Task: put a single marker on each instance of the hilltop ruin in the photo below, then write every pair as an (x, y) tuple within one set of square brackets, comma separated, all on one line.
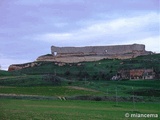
[(64, 55), (93, 53)]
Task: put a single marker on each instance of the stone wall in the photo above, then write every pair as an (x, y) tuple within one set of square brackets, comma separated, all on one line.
[(97, 50), (89, 53), (93, 53)]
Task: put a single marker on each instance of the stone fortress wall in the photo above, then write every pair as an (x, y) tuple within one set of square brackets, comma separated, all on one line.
[(97, 50), (63, 55), (93, 53)]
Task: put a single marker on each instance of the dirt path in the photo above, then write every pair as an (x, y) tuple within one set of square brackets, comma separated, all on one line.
[(81, 88)]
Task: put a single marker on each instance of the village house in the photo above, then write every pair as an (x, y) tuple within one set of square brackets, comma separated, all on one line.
[(142, 74), (136, 74)]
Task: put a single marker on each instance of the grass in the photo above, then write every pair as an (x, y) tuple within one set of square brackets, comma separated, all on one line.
[(143, 90), (148, 90), (48, 91), (30, 81), (124, 88), (108, 66), (72, 110), (4, 73)]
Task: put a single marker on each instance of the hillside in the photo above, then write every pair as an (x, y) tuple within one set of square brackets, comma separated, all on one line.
[(102, 69), (82, 81), (5, 73)]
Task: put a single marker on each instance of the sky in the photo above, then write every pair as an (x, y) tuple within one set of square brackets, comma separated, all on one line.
[(28, 28)]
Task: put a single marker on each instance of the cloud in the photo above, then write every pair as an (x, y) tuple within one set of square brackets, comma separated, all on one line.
[(30, 27), (152, 43), (115, 31)]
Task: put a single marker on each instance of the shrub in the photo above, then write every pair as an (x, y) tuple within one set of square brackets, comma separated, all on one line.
[(67, 73), (52, 78), (83, 74)]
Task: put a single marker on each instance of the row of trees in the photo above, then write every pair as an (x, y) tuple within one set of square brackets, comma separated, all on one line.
[(84, 75)]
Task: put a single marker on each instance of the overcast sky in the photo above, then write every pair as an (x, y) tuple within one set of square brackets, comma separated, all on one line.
[(28, 28)]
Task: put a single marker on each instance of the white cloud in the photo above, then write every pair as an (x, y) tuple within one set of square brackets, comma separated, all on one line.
[(122, 30), (152, 43)]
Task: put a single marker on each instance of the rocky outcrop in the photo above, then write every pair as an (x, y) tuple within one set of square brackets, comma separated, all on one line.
[(14, 67), (47, 57), (82, 58), (21, 66)]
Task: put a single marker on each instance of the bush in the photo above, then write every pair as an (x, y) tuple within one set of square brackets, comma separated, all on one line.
[(97, 98), (69, 83), (67, 73), (83, 74), (52, 78)]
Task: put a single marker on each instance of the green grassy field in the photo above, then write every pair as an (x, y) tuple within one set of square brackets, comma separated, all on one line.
[(49, 91), (50, 107), (73, 110), (103, 87), (146, 90), (37, 92)]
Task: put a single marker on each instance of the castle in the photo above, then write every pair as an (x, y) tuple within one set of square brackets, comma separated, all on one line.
[(94, 53), (97, 50), (64, 55)]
